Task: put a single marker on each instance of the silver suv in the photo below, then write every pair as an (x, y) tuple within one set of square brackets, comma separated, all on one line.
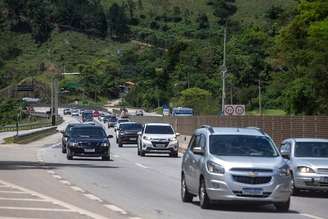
[(234, 164), (308, 161), (158, 138)]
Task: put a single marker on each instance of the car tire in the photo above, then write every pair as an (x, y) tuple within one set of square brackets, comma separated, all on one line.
[(142, 153), (138, 151), (294, 190), (185, 195), (69, 156), (204, 200), (174, 154), (282, 206), (105, 158), (64, 149), (120, 145)]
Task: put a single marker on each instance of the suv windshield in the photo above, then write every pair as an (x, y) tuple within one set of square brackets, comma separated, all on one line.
[(242, 145), (159, 129), (87, 132), (311, 149), (131, 126)]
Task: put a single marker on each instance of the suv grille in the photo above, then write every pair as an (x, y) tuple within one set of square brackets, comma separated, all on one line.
[(252, 180), (323, 170), (251, 170)]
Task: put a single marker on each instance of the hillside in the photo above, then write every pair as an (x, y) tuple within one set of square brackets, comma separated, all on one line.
[(165, 45)]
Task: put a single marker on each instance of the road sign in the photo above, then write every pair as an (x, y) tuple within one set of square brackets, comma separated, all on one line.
[(234, 110)]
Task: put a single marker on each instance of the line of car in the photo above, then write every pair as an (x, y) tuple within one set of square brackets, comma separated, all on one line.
[(219, 164)]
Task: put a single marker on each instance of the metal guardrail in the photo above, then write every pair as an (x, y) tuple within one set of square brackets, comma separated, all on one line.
[(29, 126), (35, 135), (40, 114)]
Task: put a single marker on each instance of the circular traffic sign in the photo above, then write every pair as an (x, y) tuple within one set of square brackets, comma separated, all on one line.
[(229, 110), (240, 110)]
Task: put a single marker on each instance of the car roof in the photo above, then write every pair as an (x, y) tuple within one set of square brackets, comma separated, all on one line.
[(128, 123), (308, 139), (233, 131), (87, 126), (158, 124)]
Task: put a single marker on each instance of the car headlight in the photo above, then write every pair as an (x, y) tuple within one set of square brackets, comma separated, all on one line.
[(303, 169), (284, 171), (104, 144), (146, 138), (73, 144), (173, 139), (215, 168)]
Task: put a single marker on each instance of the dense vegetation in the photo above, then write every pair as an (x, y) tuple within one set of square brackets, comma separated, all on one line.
[(173, 50)]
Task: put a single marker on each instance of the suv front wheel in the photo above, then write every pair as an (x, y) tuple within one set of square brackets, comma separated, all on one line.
[(185, 195), (204, 200), (282, 206)]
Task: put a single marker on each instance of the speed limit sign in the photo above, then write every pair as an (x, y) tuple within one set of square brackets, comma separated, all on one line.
[(234, 110)]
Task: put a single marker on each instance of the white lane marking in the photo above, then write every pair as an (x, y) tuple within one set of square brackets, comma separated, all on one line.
[(78, 189), (142, 166), (35, 209), (4, 186), (93, 197), (310, 216), (13, 192), (51, 172), (17, 218), (115, 208), (57, 202), (57, 176), (135, 218), (23, 199), (65, 182)]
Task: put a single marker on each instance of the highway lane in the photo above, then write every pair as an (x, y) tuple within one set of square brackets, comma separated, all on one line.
[(149, 187)]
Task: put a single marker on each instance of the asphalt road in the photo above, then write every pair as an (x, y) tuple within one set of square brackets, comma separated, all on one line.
[(149, 187)]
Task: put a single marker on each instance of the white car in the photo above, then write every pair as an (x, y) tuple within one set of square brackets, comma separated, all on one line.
[(75, 112), (158, 138)]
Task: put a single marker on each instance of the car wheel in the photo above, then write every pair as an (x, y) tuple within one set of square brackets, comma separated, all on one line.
[(282, 206), (185, 195), (120, 145), (63, 149), (204, 200), (174, 154), (142, 153), (107, 157), (69, 156)]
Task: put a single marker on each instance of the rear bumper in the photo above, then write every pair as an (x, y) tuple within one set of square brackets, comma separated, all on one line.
[(128, 139)]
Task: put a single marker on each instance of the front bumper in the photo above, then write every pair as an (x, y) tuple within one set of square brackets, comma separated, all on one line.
[(311, 181), (224, 188), (166, 147), (89, 152)]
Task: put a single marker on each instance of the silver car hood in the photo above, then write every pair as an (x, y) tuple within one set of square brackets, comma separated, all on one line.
[(311, 162), (250, 162)]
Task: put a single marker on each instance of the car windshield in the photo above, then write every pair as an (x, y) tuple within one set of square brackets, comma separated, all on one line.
[(123, 120), (159, 129), (88, 132), (311, 149), (131, 126), (242, 145)]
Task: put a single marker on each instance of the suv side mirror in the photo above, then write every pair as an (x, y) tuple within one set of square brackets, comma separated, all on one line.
[(62, 132), (139, 133), (198, 151), (285, 154), (177, 134)]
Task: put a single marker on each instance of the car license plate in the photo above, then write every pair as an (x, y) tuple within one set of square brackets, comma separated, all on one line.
[(133, 139), (89, 150), (160, 145), (323, 180), (252, 191)]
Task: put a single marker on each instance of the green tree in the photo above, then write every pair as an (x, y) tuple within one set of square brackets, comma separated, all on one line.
[(118, 22)]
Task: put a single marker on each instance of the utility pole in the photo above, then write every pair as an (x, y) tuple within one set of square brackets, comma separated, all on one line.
[(260, 100), (224, 68)]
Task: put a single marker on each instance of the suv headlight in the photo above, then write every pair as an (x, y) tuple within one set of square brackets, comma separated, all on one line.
[(303, 169), (284, 171), (215, 168), (104, 144), (173, 139), (146, 138), (73, 144)]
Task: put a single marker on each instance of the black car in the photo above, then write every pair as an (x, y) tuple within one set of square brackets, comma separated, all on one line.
[(128, 133), (88, 141), (66, 133)]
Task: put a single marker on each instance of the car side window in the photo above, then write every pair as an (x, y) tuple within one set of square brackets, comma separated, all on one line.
[(195, 142), (191, 142)]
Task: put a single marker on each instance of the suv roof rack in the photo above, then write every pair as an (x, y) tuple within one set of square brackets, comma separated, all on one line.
[(208, 127), (257, 128)]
